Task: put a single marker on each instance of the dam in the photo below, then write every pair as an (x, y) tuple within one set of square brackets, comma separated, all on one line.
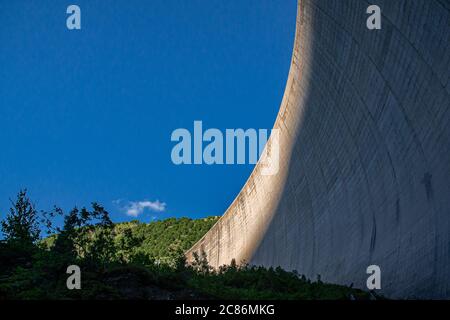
[(364, 154)]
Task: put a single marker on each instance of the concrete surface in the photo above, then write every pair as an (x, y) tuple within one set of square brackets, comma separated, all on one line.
[(365, 154)]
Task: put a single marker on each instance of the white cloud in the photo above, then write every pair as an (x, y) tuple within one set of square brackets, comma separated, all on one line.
[(135, 208)]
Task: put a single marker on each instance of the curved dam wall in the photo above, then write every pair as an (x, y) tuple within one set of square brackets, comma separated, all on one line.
[(364, 147)]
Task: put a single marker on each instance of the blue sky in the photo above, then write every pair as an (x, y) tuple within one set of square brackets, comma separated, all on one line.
[(87, 115)]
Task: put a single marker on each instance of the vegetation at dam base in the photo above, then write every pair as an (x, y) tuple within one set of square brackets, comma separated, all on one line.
[(132, 261)]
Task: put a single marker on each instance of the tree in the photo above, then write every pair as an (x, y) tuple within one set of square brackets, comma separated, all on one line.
[(81, 237), (200, 263), (21, 225), (126, 244), (65, 244)]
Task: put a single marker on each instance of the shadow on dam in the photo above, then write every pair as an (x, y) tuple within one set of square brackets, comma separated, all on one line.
[(368, 180)]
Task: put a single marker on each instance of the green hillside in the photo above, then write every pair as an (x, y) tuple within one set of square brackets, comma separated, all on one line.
[(132, 260), (158, 241)]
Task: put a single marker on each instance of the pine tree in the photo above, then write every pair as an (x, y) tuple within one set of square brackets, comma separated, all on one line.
[(21, 225)]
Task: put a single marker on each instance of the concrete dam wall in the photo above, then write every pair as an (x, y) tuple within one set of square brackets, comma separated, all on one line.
[(364, 149)]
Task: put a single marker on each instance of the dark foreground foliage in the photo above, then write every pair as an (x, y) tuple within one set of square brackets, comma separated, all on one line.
[(132, 261)]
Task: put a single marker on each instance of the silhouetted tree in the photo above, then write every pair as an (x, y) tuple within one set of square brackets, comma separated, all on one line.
[(66, 241), (101, 247), (85, 234), (21, 225)]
